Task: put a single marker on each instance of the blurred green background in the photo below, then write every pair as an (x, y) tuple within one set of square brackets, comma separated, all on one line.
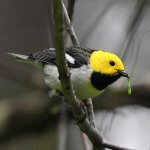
[(29, 120)]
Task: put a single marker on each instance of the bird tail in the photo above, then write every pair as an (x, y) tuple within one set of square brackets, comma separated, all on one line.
[(25, 59), (19, 56)]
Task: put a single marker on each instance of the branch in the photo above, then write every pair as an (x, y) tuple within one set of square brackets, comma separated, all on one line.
[(70, 8), (69, 27), (72, 102), (90, 111), (114, 147)]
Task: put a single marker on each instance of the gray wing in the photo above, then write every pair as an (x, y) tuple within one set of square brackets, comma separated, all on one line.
[(75, 56), (47, 56)]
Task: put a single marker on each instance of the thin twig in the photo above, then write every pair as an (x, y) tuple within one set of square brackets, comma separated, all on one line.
[(72, 102), (70, 9), (69, 26), (114, 147)]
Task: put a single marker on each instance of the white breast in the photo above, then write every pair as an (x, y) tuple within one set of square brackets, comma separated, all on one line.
[(80, 78)]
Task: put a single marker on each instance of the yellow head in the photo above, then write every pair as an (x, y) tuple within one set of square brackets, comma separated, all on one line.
[(106, 63)]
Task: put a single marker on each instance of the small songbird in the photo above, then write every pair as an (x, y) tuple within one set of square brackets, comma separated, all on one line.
[(91, 70)]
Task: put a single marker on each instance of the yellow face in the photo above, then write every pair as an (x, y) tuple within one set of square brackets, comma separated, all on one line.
[(106, 62)]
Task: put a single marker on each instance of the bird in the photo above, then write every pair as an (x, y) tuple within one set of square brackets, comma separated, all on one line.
[(92, 70)]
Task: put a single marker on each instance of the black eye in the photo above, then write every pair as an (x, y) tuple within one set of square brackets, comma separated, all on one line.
[(112, 63)]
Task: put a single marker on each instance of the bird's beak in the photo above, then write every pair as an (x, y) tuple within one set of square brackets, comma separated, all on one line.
[(123, 73)]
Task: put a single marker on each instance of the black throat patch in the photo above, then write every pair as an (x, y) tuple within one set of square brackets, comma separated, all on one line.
[(101, 81)]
